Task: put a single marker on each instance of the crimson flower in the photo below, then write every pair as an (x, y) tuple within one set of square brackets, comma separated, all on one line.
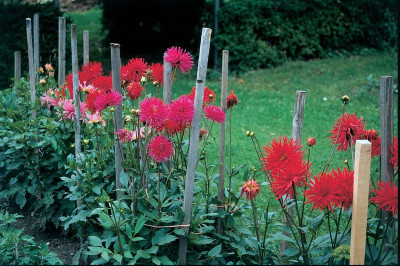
[(153, 112), (346, 180), (209, 95), (251, 188), (394, 149), (103, 83), (293, 174), (387, 197), (214, 113), (68, 85), (174, 128), (179, 58), (160, 148), (232, 100), (91, 98), (372, 136), (90, 71), (282, 152), (134, 90), (157, 73), (111, 98), (181, 110), (351, 130), (134, 70), (324, 191)]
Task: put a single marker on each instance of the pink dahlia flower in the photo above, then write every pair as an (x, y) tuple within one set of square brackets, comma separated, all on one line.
[(160, 149), (179, 58), (214, 113), (153, 112)]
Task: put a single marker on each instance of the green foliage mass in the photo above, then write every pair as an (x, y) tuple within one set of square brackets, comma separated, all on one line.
[(261, 33)]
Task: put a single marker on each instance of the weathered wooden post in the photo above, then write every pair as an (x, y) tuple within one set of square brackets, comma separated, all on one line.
[(61, 50), (360, 202), (36, 41), (386, 106), (75, 86), (85, 47), (17, 65), (167, 80), (194, 139), (297, 128), (32, 75), (116, 80), (221, 179)]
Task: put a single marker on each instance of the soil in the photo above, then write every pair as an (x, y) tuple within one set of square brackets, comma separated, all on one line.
[(63, 245)]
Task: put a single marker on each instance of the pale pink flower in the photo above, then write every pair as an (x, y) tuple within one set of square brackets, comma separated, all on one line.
[(47, 100)]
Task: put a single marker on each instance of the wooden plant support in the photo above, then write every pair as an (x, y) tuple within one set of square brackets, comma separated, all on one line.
[(85, 47), (36, 41), (194, 139), (32, 76), (17, 65), (75, 86), (360, 202), (386, 106), (116, 80), (297, 128), (61, 50), (221, 179), (167, 80)]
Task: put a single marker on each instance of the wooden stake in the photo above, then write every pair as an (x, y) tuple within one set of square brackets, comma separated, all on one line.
[(61, 51), (167, 88), (32, 77), (221, 179), (17, 65), (85, 47), (36, 41), (386, 95), (360, 202), (297, 128), (116, 79), (194, 139), (75, 82)]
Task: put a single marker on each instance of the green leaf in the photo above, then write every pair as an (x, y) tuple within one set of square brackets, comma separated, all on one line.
[(290, 252), (156, 260), (124, 179), (144, 254), (152, 250), (95, 241), (20, 199), (215, 251), (128, 254), (105, 220), (118, 257), (140, 224), (161, 239), (105, 256), (166, 261)]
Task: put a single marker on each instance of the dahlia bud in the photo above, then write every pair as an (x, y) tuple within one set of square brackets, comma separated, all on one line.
[(346, 161), (143, 80), (112, 109), (128, 118), (155, 83), (72, 145), (211, 96), (247, 133), (86, 141), (42, 81), (311, 141), (251, 133), (40, 70), (345, 99)]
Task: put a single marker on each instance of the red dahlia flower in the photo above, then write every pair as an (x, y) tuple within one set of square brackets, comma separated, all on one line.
[(346, 180), (280, 154), (291, 175), (372, 136), (324, 191), (209, 95), (232, 100), (134, 90), (111, 98), (214, 113), (157, 73), (153, 112), (181, 110), (387, 197), (351, 130), (134, 70), (160, 149), (251, 188), (394, 149), (103, 83), (90, 71), (179, 58)]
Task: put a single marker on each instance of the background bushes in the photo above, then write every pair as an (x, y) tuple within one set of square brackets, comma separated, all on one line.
[(13, 36), (260, 33)]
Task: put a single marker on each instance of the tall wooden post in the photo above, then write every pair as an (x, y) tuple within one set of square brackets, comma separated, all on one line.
[(167, 80), (85, 47), (36, 40), (386, 106), (116, 80), (297, 128), (360, 202), (194, 139), (61, 50), (32, 75), (224, 92), (17, 65), (75, 82)]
